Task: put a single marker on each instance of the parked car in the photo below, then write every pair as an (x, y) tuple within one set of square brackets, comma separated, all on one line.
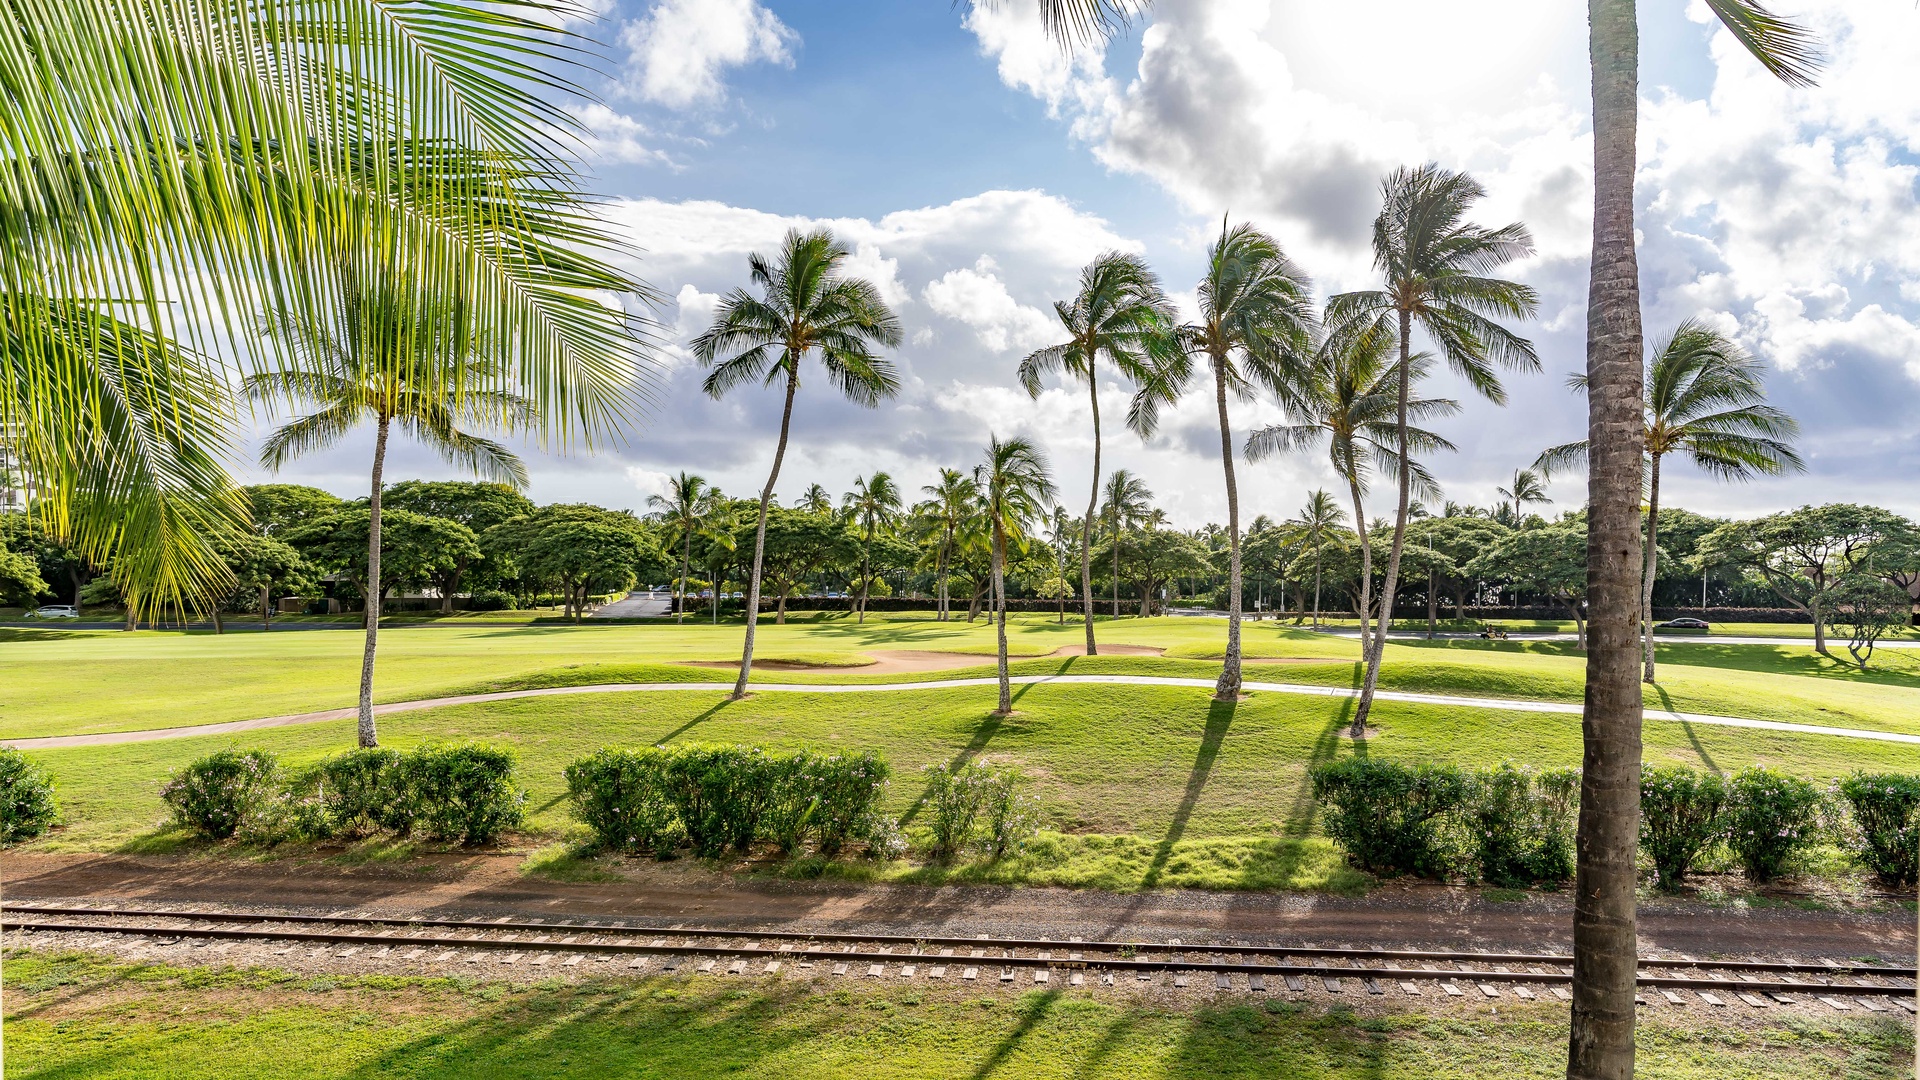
[(55, 611), (1684, 624)]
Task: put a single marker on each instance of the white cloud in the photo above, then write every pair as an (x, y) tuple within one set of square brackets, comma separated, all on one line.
[(682, 49), (977, 297), (613, 136)]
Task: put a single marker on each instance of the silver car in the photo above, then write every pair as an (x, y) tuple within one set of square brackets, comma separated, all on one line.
[(55, 611)]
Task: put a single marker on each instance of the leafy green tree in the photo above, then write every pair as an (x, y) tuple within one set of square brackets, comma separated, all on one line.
[(477, 505), (804, 305), (1314, 525), (1803, 555), (1434, 266), (414, 548), (583, 549), (1551, 561), (1061, 529), (1706, 400), (275, 508), (1014, 493), (685, 507), (799, 545), (51, 558), (1455, 540), (874, 504), (20, 580), (1120, 313), (1867, 607), (1155, 557), (389, 353), (261, 566)]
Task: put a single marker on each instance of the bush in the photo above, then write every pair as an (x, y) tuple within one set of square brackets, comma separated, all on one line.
[(26, 798), (1386, 816), (621, 796), (492, 600), (977, 806), (224, 793), (355, 793), (1771, 819), (1886, 811), (1009, 818), (1680, 816), (1522, 824), (462, 792), (850, 788), (719, 793)]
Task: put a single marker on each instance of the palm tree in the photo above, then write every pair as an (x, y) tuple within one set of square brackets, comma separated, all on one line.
[(1528, 487), (1318, 518), (1432, 261), (1352, 402), (391, 354), (1705, 399), (874, 502), (1014, 493), (182, 168), (1060, 536), (1257, 329), (815, 500), (1120, 313), (1128, 502), (1605, 945), (688, 501), (804, 306), (950, 504)]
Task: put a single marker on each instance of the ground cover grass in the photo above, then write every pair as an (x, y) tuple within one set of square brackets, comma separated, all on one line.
[(1146, 786), (72, 681), (76, 1016)]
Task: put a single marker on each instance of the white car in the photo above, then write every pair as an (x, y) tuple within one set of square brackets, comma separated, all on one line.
[(55, 611)]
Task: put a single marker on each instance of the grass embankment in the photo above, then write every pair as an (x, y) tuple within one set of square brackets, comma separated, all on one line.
[(75, 682), (78, 1016)]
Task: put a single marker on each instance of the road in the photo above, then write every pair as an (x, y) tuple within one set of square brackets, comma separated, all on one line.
[(637, 605)]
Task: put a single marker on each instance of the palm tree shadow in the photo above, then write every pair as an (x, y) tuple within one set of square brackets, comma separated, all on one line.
[(1032, 1012), (691, 724), (983, 733), (1326, 746), (1219, 719), (1693, 737)]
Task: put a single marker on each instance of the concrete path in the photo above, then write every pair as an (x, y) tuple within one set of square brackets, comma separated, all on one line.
[(636, 605), (1559, 708)]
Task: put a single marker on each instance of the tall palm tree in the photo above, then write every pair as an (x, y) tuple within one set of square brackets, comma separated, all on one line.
[(815, 500), (685, 506), (1120, 313), (1705, 399), (1257, 330), (804, 306), (874, 503), (389, 356), (1128, 502), (950, 504), (1433, 263), (1014, 492), (1060, 536), (1319, 517), (1352, 402), (173, 171), (1528, 487)]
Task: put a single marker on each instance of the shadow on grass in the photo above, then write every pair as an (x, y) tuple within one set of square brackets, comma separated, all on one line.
[(1034, 1008), (711, 712), (983, 733), (1326, 747), (1693, 737), (1219, 719)]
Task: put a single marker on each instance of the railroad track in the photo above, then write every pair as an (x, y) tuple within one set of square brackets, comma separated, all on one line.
[(1837, 984)]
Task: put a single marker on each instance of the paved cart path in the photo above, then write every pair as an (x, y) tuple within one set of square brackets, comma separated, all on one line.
[(1561, 708)]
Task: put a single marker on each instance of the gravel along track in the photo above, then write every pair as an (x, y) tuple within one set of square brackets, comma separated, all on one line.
[(343, 939)]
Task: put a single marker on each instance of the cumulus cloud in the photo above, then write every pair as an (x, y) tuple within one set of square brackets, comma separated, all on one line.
[(976, 296), (681, 50), (617, 137)]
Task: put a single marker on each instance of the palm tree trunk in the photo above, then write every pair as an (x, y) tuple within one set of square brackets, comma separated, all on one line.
[(760, 540), (1000, 614), (1653, 561), (686, 565), (266, 607), (1600, 1042), (1093, 508), (1365, 704), (375, 593), (1228, 686), (1116, 562), (945, 549), (1316, 589), (866, 573), (1366, 567)]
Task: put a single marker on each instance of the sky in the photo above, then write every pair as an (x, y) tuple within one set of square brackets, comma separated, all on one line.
[(973, 168)]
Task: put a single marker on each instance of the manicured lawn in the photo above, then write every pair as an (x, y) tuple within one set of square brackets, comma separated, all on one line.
[(70, 682), (78, 1017)]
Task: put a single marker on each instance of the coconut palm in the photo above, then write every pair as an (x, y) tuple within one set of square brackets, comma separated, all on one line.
[(1528, 487), (1257, 330), (684, 508), (389, 356), (1705, 400), (1120, 313), (815, 500), (1014, 492), (1318, 518), (951, 503), (1128, 503), (804, 306), (874, 503), (1352, 402), (1434, 264), (176, 170), (1060, 536)]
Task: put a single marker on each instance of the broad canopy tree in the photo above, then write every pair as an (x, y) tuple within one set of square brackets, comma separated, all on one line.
[(414, 548), (1805, 555)]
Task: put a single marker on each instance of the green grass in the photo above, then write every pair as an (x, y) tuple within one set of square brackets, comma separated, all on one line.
[(72, 682), (1160, 765), (74, 1016)]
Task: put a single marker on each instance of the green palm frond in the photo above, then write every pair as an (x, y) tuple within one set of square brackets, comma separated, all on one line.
[(1782, 46)]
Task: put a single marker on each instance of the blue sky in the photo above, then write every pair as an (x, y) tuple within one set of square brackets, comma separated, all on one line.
[(974, 168)]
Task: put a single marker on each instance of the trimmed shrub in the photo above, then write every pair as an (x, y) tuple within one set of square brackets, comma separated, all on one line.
[(1771, 818), (356, 793), (462, 792), (1008, 819), (1386, 816), (27, 808), (850, 788), (978, 806), (792, 801), (1680, 817), (224, 793), (621, 796), (491, 600), (1522, 824), (719, 793), (1886, 811)]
